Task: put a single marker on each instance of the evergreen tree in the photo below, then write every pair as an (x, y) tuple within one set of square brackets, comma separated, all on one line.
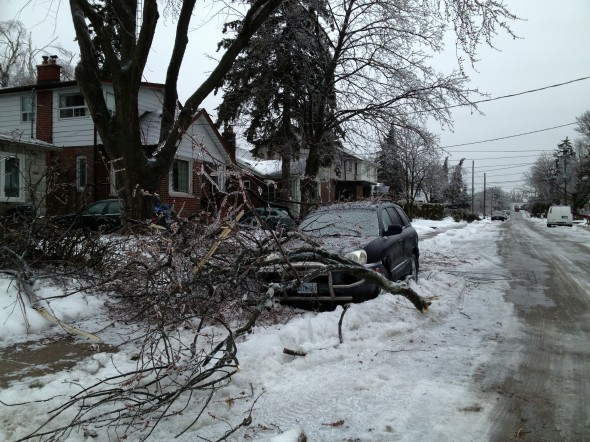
[(273, 84), (456, 194)]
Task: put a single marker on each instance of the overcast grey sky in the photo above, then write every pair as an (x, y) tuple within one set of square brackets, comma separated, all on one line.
[(553, 49)]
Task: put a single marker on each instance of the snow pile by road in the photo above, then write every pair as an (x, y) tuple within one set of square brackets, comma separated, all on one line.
[(398, 375)]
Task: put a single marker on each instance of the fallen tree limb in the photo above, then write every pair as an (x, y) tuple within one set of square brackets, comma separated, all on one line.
[(24, 285), (346, 307), (335, 263), (294, 352)]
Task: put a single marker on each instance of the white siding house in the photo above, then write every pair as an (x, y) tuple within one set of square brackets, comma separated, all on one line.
[(55, 112)]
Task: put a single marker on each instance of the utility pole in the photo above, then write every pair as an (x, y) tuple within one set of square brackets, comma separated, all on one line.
[(484, 195), (472, 185)]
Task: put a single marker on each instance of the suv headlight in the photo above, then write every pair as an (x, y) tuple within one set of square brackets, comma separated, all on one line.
[(359, 256)]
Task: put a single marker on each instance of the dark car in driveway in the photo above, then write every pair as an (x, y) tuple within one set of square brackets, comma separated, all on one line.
[(377, 235), (104, 215), (272, 217)]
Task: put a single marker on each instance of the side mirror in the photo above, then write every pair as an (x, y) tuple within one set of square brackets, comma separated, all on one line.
[(393, 229)]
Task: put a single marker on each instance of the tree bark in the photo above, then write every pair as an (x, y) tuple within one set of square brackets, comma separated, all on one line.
[(138, 177)]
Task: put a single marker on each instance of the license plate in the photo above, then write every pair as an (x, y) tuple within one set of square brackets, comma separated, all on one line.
[(307, 288)]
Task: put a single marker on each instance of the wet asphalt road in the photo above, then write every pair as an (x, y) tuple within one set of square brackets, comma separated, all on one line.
[(544, 390)]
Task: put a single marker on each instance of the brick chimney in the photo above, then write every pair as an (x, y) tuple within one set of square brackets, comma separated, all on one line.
[(47, 72), (230, 141)]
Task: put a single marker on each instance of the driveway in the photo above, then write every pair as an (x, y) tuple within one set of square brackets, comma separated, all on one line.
[(546, 396)]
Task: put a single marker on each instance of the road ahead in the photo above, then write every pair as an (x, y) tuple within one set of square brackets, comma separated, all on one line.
[(546, 396)]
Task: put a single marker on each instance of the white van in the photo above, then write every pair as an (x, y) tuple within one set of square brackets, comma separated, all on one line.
[(560, 216)]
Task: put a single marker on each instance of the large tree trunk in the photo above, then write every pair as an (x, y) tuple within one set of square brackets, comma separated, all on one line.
[(138, 177), (310, 196)]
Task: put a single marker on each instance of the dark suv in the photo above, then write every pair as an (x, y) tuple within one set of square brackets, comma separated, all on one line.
[(377, 235)]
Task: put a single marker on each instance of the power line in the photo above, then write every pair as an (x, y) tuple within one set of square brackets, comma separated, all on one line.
[(501, 167), (530, 91), (498, 158), (501, 151), (508, 136)]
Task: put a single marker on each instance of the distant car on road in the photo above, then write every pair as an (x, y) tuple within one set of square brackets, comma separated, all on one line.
[(498, 215), (560, 216)]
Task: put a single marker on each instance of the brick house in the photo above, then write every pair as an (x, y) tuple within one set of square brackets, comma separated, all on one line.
[(54, 112)]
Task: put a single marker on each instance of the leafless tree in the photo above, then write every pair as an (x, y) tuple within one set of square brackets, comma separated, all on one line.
[(380, 73), (125, 43), (18, 55), (582, 146), (542, 178), (413, 155)]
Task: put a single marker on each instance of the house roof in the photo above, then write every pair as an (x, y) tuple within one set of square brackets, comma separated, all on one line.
[(16, 137), (150, 123), (63, 84), (266, 168), (272, 169)]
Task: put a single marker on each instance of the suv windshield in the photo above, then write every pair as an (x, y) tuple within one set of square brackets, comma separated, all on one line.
[(350, 222)]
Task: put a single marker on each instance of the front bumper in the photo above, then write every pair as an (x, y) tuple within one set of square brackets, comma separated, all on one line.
[(328, 286)]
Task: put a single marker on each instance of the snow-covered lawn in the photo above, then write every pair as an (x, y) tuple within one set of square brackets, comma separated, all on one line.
[(398, 375)]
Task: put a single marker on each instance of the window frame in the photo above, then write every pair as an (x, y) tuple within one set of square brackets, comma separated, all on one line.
[(110, 102), (73, 108), (79, 185), (189, 189), (24, 99), (21, 181)]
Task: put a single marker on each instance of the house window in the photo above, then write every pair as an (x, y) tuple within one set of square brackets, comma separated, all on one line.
[(181, 176), (246, 184), (110, 102), (348, 165), (72, 106), (115, 166), (26, 109), (11, 177), (271, 190), (218, 176), (81, 172)]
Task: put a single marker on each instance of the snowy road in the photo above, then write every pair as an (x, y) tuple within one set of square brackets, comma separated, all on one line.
[(548, 397)]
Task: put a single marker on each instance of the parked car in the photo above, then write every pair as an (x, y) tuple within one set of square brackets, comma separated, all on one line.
[(105, 215), (560, 216), (499, 216), (273, 217), (376, 235)]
